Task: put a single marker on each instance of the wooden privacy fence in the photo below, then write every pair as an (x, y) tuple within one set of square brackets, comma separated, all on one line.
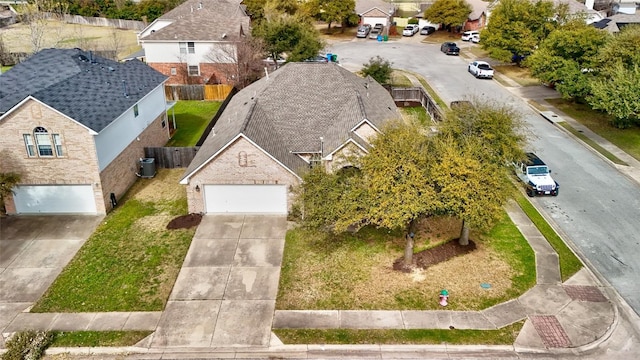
[(171, 157), (197, 92), (417, 94)]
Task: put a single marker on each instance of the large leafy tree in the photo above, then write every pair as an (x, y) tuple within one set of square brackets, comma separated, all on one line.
[(615, 90), (517, 27), (476, 144), (330, 11), (448, 12), (567, 58), (469, 187), (624, 49), (618, 95), (289, 35), (391, 189)]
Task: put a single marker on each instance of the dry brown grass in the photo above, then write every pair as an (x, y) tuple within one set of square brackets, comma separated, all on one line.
[(164, 186), (518, 74), (61, 35), (331, 280)]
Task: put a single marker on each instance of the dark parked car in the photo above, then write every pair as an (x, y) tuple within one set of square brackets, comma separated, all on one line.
[(450, 48), (426, 30)]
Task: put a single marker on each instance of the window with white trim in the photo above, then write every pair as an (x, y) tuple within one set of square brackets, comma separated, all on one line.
[(194, 70), (187, 47), (44, 143), (28, 142)]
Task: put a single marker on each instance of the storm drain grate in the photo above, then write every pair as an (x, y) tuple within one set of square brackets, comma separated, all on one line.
[(584, 293), (550, 331)]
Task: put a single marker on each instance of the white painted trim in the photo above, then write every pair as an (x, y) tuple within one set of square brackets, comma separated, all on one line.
[(30, 97), (345, 144), (185, 180)]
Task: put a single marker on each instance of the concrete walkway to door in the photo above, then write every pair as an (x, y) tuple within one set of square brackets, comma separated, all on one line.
[(226, 291)]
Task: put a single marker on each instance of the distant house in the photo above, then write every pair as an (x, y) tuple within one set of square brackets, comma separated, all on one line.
[(74, 126), (302, 115), (374, 12), (477, 20), (193, 43)]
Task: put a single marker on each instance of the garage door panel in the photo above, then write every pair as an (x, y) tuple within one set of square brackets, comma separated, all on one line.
[(54, 199), (270, 199)]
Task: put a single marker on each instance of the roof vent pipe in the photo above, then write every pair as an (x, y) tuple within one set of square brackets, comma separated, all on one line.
[(124, 88)]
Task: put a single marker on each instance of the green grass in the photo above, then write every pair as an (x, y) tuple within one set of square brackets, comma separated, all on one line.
[(6, 68), (569, 262), (626, 139), (97, 338), (521, 75), (352, 271), (506, 240), (416, 112), (592, 144), (192, 118), (505, 336), (131, 261)]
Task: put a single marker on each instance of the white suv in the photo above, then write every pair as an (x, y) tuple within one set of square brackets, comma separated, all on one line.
[(535, 174), (468, 35)]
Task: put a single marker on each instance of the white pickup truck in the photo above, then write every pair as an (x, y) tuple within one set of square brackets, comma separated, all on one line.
[(536, 176), (481, 69)]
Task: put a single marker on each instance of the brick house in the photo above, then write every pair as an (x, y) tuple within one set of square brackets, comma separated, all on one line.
[(194, 42), (276, 128), (477, 20), (74, 126)]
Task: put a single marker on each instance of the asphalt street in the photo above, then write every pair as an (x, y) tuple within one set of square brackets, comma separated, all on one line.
[(598, 207)]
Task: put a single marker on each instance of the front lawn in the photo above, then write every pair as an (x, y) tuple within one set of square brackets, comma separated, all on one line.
[(131, 261), (626, 139), (192, 118), (352, 272)]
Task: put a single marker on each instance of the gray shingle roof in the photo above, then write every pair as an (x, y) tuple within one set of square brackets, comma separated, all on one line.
[(288, 112), (90, 92), (203, 20)]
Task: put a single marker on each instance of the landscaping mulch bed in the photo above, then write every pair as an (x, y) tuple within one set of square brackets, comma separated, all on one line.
[(435, 255), (185, 221)]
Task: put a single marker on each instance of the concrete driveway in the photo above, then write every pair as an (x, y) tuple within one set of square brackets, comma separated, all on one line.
[(33, 251), (226, 291)]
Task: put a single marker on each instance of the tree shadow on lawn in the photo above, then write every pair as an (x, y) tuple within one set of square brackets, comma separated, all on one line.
[(435, 255)]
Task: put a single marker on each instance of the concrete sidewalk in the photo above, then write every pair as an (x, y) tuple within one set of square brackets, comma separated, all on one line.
[(575, 314)]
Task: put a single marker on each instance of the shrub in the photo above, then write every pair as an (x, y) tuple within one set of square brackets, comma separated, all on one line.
[(27, 345)]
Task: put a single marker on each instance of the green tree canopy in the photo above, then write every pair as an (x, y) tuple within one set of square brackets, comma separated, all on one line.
[(378, 68), (448, 12), (618, 95), (469, 187), (567, 56), (330, 11), (517, 27), (299, 40), (624, 49)]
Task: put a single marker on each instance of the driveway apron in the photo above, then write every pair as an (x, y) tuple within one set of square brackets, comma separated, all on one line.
[(226, 291), (33, 251)]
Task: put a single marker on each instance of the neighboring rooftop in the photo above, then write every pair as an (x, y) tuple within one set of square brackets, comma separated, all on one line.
[(363, 6), (79, 84), (296, 106), (203, 20)]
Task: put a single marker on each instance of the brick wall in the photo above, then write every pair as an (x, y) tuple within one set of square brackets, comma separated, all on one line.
[(78, 165), (209, 73), (120, 174), (240, 163)]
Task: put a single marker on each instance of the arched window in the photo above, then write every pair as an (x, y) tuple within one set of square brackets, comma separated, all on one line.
[(44, 144)]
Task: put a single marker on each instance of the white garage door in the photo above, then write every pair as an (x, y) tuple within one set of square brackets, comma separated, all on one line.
[(246, 199), (54, 199)]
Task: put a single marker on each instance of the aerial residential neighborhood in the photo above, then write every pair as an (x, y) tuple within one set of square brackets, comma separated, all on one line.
[(319, 178)]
